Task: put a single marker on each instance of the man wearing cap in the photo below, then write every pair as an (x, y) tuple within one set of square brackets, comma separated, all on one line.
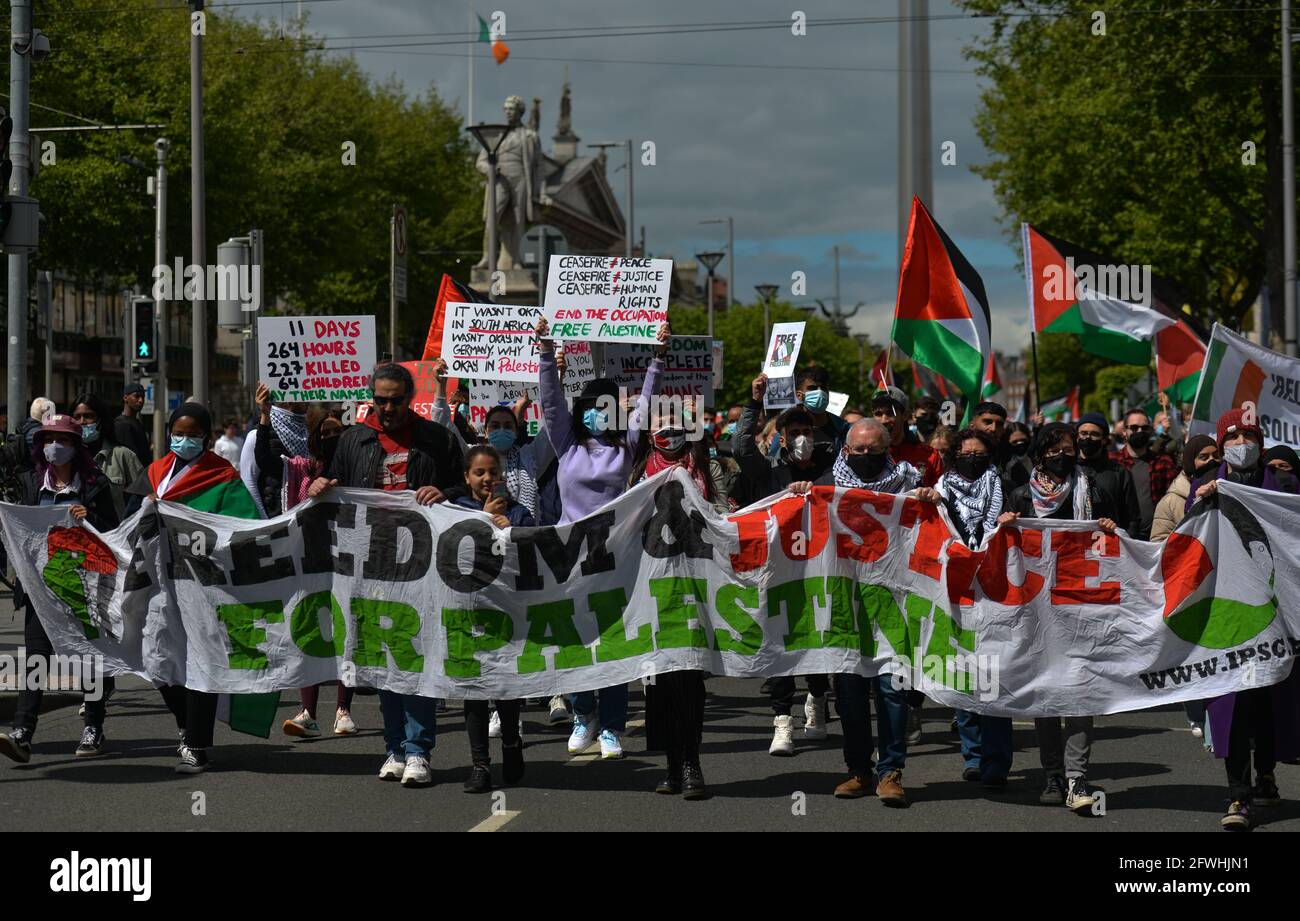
[(891, 409), (1152, 471), (1110, 478), (129, 429)]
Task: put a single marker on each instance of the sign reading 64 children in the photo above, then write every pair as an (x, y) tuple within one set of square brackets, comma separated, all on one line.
[(316, 359)]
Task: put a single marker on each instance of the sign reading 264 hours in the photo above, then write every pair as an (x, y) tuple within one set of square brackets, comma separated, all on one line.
[(316, 359)]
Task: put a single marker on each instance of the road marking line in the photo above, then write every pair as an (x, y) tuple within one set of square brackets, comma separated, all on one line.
[(495, 821)]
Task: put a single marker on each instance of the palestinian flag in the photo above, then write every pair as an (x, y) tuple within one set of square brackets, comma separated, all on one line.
[(925, 383), (1180, 354), (882, 375), (942, 315), (210, 484), (1063, 408), (450, 291), (1102, 301), (992, 379), (500, 50)]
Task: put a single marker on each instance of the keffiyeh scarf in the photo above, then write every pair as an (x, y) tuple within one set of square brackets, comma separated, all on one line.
[(978, 502), (1048, 495), (291, 429), (897, 477)]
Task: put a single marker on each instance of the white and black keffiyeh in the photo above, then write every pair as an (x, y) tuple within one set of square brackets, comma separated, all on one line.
[(896, 477), (291, 429), (521, 478), (978, 502), (1048, 495)]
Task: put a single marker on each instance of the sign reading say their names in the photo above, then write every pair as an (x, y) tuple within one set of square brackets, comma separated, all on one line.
[(491, 341), (607, 298), (688, 367), (316, 359)]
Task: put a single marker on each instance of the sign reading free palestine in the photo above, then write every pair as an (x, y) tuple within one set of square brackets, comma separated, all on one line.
[(607, 298), (1046, 618)]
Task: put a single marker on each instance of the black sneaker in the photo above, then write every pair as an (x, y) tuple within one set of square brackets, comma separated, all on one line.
[(92, 743), (1080, 798), (1266, 792), (193, 760), (16, 745), (971, 774), (1054, 793), (512, 762), (479, 780)]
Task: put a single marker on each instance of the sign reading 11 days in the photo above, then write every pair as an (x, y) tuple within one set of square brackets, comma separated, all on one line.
[(607, 298), (316, 359)]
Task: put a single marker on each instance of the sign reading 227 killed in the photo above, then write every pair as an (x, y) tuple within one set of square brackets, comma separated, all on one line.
[(316, 359), (607, 298)]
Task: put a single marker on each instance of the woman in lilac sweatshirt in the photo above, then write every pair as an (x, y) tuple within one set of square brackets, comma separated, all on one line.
[(594, 458)]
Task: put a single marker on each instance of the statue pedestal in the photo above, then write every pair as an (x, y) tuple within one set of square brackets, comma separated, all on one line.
[(520, 287)]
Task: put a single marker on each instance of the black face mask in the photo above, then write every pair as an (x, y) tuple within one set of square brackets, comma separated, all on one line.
[(1286, 481), (1018, 448), (1062, 465), (867, 467), (926, 425), (1091, 447), (1206, 469), (1138, 441), (971, 468)]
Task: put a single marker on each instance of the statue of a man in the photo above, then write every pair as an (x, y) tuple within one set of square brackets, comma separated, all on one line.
[(519, 187)]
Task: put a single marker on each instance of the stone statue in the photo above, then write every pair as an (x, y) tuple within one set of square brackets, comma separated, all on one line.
[(564, 127), (519, 187)]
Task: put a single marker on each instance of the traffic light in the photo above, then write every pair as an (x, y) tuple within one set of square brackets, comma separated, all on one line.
[(144, 344), (6, 169)]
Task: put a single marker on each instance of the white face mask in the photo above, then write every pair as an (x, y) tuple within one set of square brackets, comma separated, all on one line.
[(1242, 456), (802, 448)]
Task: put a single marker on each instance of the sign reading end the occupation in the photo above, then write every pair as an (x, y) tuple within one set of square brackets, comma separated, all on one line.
[(607, 298)]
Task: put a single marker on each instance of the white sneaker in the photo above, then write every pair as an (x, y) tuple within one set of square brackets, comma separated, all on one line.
[(301, 726), (494, 725), (559, 712), (610, 746), (393, 768), (814, 717), (417, 772), (343, 724), (582, 734), (1197, 731), (782, 736)]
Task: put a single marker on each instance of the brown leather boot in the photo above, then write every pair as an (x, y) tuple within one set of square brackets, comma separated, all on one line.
[(856, 787), (890, 791)]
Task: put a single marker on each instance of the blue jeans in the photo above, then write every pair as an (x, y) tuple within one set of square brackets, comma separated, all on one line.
[(410, 723), (852, 700), (985, 744), (612, 706)]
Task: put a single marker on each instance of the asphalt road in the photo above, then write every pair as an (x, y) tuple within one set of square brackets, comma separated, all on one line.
[(1157, 777)]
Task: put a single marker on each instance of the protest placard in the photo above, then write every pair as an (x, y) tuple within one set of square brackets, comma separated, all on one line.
[(688, 367), (783, 349), (607, 298), (779, 393), (837, 402), (316, 359), (491, 341)]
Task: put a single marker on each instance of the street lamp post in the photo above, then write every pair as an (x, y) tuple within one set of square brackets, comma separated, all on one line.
[(489, 137), (767, 293), (731, 251), (710, 261)]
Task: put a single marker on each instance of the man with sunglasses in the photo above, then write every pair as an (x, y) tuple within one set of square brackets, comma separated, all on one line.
[(396, 450), (1152, 471)]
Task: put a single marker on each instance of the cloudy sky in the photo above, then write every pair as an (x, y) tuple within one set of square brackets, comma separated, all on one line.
[(794, 137)]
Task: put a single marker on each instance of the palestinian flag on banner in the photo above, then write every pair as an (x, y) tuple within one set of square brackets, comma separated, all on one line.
[(942, 315), (1063, 408), (992, 379), (882, 375), (500, 50), (210, 484), (1077, 292)]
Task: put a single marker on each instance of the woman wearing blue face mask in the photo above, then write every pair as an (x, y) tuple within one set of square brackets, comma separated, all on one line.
[(118, 462)]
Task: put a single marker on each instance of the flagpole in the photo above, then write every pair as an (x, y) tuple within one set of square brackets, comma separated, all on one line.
[(1033, 348), (473, 40)]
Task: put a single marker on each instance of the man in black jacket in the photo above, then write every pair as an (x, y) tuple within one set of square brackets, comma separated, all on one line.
[(396, 450), (1112, 480)]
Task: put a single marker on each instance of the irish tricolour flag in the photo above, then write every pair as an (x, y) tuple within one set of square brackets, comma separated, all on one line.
[(942, 316), (1108, 305), (1239, 374)]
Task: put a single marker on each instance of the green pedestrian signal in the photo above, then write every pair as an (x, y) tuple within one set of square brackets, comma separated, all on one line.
[(144, 350), (143, 354)]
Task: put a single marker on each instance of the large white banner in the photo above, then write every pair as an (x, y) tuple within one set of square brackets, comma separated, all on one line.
[(1047, 618), (1238, 374)]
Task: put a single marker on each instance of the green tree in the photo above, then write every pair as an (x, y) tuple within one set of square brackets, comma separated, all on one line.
[(741, 330), (1063, 365), (1131, 143), (1112, 383)]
